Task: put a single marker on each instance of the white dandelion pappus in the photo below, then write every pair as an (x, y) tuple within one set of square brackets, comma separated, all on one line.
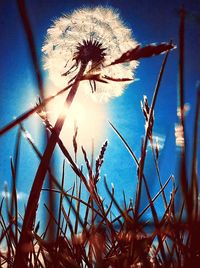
[(96, 34)]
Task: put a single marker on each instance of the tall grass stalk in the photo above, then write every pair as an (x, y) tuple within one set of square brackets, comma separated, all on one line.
[(30, 213)]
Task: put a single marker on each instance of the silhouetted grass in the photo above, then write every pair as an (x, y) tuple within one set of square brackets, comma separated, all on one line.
[(87, 234)]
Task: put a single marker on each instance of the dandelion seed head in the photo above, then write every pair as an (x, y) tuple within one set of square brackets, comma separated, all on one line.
[(96, 34)]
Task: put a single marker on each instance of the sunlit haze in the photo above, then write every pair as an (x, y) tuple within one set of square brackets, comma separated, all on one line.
[(88, 115)]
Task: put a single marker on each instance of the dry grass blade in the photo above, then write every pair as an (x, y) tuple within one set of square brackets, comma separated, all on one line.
[(32, 204), (14, 201), (30, 141), (142, 161), (73, 165), (74, 210), (35, 149), (158, 171), (31, 43), (86, 217), (151, 202), (31, 111), (52, 217), (5, 235), (69, 224), (99, 161), (17, 150), (14, 171), (87, 162), (109, 224), (6, 232), (78, 208), (183, 171), (137, 162), (194, 195), (70, 208), (75, 144), (125, 143), (61, 199), (166, 224), (87, 204), (125, 215), (144, 52), (79, 173), (155, 197)]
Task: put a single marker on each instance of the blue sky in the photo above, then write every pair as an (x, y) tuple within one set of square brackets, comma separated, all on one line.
[(151, 21)]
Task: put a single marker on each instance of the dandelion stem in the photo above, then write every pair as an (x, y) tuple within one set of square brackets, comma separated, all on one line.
[(22, 250)]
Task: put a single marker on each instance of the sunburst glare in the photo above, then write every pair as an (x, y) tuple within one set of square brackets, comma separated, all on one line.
[(89, 116)]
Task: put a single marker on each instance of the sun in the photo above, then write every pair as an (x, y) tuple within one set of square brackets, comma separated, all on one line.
[(87, 115)]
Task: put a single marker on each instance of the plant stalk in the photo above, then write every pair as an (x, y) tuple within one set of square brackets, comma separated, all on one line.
[(24, 245)]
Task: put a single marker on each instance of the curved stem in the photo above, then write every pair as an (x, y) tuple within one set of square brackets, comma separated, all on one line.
[(23, 247), (144, 146)]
